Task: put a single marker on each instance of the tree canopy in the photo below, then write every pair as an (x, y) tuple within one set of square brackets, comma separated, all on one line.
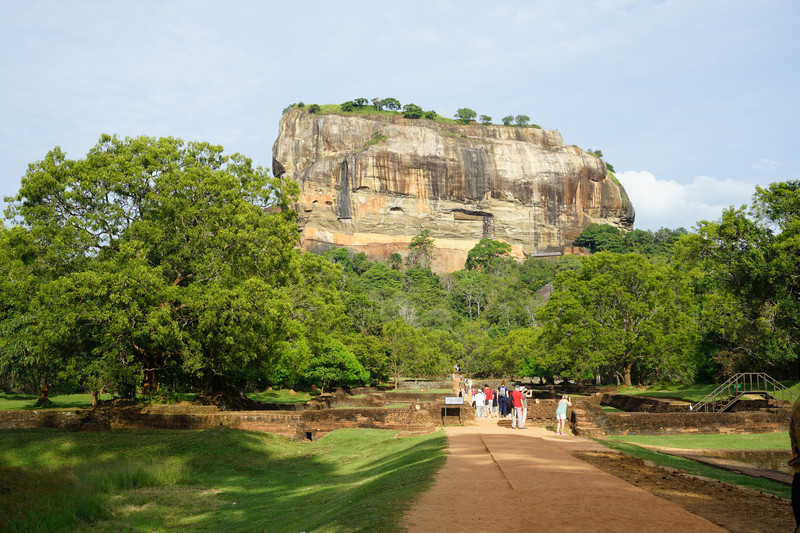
[(153, 263), (465, 115)]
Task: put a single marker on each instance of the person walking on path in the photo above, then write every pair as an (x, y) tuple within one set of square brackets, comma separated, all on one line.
[(502, 399), (489, 395), (480, 400), (561, 413), (516, 403), (525, 395)]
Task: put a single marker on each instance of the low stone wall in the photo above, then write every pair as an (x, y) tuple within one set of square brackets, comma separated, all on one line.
[(642, 404), (679, 423), (301, 425), (542, 413), (137, 417)]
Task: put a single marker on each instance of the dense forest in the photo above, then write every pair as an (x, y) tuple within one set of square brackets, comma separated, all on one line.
[(153, 266)]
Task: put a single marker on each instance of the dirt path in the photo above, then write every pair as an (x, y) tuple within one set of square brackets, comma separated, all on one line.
[(502, 479)]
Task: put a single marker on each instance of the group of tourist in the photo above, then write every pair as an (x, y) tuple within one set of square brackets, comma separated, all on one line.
[(502, 403)]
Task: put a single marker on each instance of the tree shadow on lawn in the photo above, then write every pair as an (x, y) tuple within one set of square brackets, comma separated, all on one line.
[(242, 480)]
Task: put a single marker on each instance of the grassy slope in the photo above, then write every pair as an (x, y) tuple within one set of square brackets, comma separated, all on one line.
[(214, 480), (754, 441)]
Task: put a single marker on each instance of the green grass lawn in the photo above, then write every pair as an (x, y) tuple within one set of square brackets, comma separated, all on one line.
[(752, 441), (214, 480), (11, 401), (689, 393), (700, 469), (281, 396)]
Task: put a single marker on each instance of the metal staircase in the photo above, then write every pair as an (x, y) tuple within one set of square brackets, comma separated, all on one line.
[(739, 385)]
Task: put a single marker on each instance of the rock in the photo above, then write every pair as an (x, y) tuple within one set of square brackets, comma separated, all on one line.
[(371, 183)]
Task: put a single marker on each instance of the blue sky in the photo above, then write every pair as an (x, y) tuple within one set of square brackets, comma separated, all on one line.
[(693, 102)]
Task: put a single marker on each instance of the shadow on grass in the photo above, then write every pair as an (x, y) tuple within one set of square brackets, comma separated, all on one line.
[(351, 480)]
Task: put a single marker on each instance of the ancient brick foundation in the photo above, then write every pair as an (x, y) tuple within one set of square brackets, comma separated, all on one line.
[(593, 418), (301, 425)]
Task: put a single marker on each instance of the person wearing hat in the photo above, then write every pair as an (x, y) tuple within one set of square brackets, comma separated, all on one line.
[(516, 403), (480, 403)]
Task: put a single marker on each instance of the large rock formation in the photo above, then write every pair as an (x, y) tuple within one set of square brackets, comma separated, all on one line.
[(371, 183)]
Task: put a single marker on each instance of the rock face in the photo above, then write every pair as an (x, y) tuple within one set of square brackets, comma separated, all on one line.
[(371, 183)]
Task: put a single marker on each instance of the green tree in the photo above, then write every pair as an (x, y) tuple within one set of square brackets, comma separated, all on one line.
[(517, 354), (348, 107), (159, 254), (372, 352), (391, 104), (395, 260), (407, 349), (508, 120), (471, 294), (622, 314), (522, 120), (465, 115), (486, 120), (360, 102), (430, 115), (481, 255), (749, 261), (334, 365), (420, 249), (601, 238), (313, 109), (412, 111)]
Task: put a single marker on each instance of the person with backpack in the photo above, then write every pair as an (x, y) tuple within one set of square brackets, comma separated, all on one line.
[(502, 399)]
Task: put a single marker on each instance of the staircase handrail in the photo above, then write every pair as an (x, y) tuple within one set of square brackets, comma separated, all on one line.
[(738, 385), (711, 397)]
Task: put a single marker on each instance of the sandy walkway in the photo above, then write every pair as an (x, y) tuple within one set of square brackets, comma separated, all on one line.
[(496, 478)]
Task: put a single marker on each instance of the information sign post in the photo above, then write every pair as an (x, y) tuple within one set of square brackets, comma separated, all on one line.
[(453, 400)]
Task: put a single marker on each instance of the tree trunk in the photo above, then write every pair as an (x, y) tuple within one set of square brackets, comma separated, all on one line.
[(95, 397), (627, 375), (149, 383)]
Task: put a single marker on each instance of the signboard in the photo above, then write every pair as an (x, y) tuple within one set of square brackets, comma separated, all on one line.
[(454, 400)]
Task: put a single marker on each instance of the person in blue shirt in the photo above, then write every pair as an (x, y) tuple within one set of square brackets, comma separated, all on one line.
[(561, 413)]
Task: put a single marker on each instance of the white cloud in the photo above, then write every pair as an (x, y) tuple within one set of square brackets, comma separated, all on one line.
[(669, 204), (766, 165)]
